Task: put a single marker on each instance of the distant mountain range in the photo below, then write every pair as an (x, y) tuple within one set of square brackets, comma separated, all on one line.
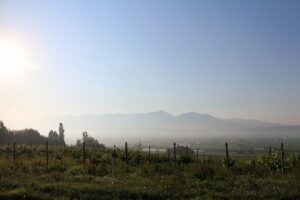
[(163, 124)]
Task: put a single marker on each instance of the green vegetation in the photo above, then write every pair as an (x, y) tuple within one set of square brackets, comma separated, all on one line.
[(45, 168), (109, 174), (30, 136)]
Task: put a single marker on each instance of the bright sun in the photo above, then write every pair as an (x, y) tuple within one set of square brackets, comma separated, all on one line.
[(12, 60)]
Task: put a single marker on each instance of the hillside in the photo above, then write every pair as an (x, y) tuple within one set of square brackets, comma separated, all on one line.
[(163, 124)]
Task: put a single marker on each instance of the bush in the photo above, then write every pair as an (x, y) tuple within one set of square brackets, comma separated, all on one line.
[(203, 172)]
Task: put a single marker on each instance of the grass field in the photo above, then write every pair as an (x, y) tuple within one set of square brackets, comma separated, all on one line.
[(107, 174)]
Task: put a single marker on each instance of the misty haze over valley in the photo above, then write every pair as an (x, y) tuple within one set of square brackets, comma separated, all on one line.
[(161, 124)]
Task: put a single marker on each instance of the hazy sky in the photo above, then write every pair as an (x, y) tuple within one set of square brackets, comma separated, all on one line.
[(225, 58)]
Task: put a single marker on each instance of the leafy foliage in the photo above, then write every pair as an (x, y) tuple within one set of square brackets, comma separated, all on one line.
[(105, 175), (272, 162), (29, 136), (89, 141)]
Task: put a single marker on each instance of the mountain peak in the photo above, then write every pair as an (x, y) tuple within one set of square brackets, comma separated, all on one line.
[(196, 115), (160, 113)]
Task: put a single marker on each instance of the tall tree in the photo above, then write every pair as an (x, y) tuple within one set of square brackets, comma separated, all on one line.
[(1, 124), (84, 136), (4, 133), (61, 131)]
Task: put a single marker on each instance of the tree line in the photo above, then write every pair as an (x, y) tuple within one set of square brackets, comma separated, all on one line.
[(33, 137)]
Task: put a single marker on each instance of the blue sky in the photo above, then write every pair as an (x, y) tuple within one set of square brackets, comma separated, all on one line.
[(226, 58)]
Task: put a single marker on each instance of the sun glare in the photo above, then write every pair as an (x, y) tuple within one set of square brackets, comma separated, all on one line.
[(12, 60)]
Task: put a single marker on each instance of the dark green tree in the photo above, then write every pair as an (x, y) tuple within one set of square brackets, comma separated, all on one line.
[(1, 124), (4, 134), (61, 131), (53, 138), (89, 141)]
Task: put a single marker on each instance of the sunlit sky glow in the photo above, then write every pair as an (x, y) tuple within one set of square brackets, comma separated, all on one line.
[(226, 58)]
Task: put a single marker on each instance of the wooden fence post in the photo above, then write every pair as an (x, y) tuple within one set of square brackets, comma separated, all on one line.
[(294, 163), (186, 154), (83, 151), (174, 153), (197, 155), (270, 151), (14, 150), (282, 159), (227, 156), (47, 154), (7, 150), (126, 152), (149, 153)]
